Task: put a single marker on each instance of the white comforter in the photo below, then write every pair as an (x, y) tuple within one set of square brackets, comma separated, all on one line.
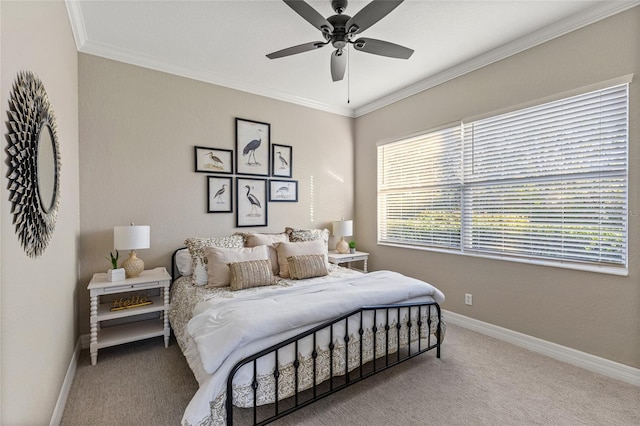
[(226, 331)]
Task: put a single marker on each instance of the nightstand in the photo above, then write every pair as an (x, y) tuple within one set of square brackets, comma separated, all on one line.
[(136, 289), (337, 258)]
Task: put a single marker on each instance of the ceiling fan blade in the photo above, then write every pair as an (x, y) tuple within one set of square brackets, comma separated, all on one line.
[(297, 49), (338, 65), (312, 16), (370, 14), (383, 48)]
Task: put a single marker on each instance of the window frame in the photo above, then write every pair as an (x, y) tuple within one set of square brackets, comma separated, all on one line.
[(462, 249)]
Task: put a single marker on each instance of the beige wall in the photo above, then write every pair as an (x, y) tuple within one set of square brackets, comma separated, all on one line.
[(591, 312), (38, 311), (138, 128)]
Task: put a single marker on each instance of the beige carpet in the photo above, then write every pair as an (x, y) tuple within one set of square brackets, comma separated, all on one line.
[(478, 381)]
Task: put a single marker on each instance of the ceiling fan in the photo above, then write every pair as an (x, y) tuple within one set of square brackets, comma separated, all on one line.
[(341, 29)]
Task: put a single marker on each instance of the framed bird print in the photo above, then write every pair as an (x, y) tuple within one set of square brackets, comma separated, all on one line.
[(253, 143), (281, 160), (213, 160), (251, 202), (219, 194), (283, 190)]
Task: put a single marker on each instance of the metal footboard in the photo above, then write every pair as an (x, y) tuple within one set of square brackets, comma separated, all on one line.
[(381, 331)]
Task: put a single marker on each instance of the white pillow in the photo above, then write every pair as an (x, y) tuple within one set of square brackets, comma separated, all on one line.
[(183, 262), (218, 260), (297, 249)]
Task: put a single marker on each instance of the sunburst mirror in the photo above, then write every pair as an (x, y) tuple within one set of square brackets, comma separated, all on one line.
[(34, 163)]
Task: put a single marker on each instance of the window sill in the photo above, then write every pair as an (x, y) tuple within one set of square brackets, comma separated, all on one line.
[(601, 269)]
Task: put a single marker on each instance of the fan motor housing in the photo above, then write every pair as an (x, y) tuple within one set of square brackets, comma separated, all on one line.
[(339, 37)]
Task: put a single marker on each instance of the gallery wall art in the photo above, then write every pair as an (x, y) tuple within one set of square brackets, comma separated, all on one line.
[(254, 155)]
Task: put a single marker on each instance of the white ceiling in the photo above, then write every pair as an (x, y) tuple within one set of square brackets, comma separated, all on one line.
[(225, 43)]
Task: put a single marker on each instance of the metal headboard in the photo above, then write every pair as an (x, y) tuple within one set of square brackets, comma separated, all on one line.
[(175, 274)]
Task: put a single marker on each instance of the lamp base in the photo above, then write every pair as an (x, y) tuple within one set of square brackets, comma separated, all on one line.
[(133, 266), (342, 247)]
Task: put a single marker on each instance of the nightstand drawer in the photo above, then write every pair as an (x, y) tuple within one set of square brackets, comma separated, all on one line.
[(352, 258), (359, 256), (129, 287)]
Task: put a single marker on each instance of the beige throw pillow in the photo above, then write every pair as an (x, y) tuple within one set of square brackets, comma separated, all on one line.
[(307, 266), (297, 249), (199, 261), (218, 259), (253, 240), (252, 273)]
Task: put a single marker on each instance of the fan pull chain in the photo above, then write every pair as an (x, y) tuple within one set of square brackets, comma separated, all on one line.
[(348, 75)]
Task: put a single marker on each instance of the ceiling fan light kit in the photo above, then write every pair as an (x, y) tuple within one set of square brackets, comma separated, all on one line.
[(340, 29)]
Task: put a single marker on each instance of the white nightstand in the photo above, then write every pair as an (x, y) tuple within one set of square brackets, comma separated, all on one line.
[(132, 331), (337, 258)]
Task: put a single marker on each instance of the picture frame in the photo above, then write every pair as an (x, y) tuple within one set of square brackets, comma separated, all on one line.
[(219, 194), (283, 191), (253, 147), (213, 160), (281, 160), (251, 202)]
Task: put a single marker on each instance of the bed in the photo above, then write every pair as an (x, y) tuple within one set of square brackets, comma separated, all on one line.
[(276, 348)]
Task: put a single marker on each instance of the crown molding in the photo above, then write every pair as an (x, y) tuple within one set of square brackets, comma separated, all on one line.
[(560, 28), (84, 45), (149, 62), (77, 23), (603, 10)]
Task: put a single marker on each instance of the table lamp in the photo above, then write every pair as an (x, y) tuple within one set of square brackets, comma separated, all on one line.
[(342, 228), (131, 238)]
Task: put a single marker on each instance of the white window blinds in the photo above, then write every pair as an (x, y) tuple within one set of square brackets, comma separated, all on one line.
[(419, 190), (547, 183)]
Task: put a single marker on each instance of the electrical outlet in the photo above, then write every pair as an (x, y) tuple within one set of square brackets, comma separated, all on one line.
[(468, 299)]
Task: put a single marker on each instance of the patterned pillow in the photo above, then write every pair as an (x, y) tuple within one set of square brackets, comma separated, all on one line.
[(250, 273), (199, 261), (297, 235), (307, 266)]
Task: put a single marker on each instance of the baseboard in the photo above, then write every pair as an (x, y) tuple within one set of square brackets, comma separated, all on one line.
[(58, 410), (571, 356), (84, 340)]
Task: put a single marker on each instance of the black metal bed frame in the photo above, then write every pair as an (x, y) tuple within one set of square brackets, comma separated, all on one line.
[(385, 359), (174, 268)]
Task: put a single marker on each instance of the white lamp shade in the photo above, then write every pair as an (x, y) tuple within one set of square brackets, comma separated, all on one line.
[(343, 228), (131, 237)]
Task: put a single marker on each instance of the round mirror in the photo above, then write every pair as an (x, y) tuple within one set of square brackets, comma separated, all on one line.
[(34, 163), (46, 168)]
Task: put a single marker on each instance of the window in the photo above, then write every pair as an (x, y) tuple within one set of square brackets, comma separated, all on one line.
[(543, 184)]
